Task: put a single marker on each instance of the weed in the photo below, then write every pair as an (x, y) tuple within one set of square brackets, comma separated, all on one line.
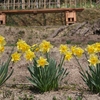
[(7, 93), (91, 42), (69, 98), (68, 41), (54, 98), (21, 33), (13, 79), (10, 44), (26, 97), (79, 98), (30, 36), (45, 36), (64, 34)]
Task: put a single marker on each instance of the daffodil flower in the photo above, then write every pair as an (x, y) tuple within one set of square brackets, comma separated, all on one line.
[(23, 46), (68, 55), (15, 56), (63, 49), (93, 60), (77, 51), (29, 55), (90, 49), (97, 47), (35, 47), (45, 46), (2, 40), (42, 62), (1, 49), (73, 49)]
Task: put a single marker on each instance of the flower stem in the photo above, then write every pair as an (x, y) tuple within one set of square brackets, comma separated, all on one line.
[(79, 64), (62, 61)]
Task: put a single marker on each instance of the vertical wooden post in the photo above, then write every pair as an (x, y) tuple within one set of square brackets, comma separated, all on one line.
[(75, 4), (66, 5), (80, 3), (49, 3), (44, 3), (90, 3), (18, 4), (70, 3), (34, 6), (4, 4), (39, 3), (29, 4), (23, 4), (8, 4), (32, 3), (13, 4)]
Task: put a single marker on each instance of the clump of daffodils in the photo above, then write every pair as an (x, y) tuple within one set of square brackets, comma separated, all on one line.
[(91, 76), (46, 73), (4, 75), (93, 53), (44, 70)]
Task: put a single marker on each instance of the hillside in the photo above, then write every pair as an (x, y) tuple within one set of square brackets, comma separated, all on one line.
[(51, 18)]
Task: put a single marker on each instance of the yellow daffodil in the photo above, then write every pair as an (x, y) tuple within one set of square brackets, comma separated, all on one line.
[(63, 49), (45, 46), (29, 55), (68, 55), (35, 48), (15, 56), (90, 49), (93, 60), (1, 49), (78, 51), (97, 47), (42, 62), (22, 45), (2, 40), (73, 49)]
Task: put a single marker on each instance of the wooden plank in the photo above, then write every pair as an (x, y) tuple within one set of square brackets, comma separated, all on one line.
[(36, 11)]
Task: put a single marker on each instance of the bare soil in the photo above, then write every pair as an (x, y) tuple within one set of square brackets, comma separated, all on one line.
[(19, 88)]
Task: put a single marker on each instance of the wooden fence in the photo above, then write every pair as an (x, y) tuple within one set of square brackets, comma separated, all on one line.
[(40, 4)]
